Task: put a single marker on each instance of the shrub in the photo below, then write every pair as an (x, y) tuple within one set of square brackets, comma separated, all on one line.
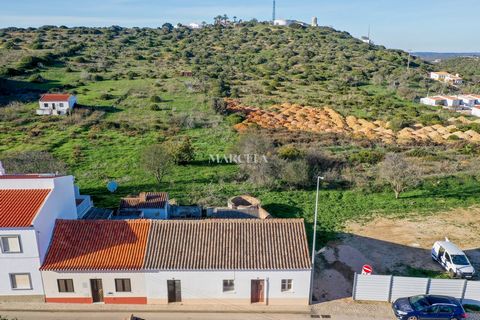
[(155, 107), (183, 151), (219, 106), (234, 119), (289, 152), (36, 78), (155, 99), (366, 156)]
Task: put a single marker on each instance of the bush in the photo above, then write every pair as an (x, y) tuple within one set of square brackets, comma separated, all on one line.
[(155, 99), (219, 106), (155, 107), (366, 156), (183, 151), (107, 96), (399, 122), (289, 152), (234, 119), (36, 78)]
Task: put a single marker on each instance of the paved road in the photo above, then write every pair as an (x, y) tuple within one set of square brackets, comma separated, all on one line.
[(151, 316)]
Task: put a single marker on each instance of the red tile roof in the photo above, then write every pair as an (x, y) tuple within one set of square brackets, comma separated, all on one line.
[(53, 97), (98, 245), (228, 244), (18, 207), (145, 200)]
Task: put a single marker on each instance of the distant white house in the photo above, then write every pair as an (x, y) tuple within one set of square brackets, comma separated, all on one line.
[(56, 104), (29, 206), (433, 101), (453, 101), (446, 77), (150, 205), (470, 100), (476, 111), (194, 25), (286, 22)]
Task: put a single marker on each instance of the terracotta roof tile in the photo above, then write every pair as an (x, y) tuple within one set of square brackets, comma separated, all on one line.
[(228, 244), (98, 245), (53, 97), (18, 207), (145, 200)]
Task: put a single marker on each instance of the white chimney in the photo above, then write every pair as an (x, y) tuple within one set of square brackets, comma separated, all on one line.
[(2, 170)]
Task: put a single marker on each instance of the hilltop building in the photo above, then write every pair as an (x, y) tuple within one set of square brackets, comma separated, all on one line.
[(56, 104), (446, 77), (170, 261)]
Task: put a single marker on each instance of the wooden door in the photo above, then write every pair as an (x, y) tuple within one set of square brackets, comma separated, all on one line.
[(174, 291), (97, 290), (257, 291)]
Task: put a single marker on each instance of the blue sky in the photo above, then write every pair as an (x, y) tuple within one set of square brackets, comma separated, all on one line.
[(419, 25)]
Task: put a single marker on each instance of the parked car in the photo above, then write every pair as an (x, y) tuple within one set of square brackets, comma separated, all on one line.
[(424, 307), (452, 259)]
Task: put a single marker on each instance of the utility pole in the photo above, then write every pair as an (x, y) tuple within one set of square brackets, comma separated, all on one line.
[(314, 238)]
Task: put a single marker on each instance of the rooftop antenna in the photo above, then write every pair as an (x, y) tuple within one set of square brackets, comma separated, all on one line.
[(273, 12)]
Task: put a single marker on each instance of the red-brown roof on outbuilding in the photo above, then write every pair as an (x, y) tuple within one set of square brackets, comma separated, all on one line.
[(53, 97)]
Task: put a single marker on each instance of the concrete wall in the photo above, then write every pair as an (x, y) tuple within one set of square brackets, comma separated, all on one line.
[(83, 294), (206, 287), (60, 204), (25, 262)]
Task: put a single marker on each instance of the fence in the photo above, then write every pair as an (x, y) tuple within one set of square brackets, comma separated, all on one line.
[(390, 288)]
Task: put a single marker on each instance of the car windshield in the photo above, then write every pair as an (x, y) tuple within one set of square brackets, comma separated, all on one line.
[(418, 302), (460, 260)]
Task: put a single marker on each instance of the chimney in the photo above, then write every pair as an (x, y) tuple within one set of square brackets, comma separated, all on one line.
[(2, 170)]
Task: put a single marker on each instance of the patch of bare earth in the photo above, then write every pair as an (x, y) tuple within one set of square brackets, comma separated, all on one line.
[(392, 245)]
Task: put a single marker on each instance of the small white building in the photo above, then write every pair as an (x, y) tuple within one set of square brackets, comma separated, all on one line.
[(210, 261), (434, 101), (469, 100), (287, 23), (29, 205), (56, 104), (452, 101), (446, 77), (149, 205), (476, 110)]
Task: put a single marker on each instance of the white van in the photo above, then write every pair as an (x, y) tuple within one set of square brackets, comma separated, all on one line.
[(452, 259)]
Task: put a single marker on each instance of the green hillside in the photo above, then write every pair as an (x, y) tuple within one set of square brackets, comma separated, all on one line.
[(135, 89)]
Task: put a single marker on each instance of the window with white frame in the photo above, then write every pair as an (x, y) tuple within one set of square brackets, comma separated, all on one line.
[(228, 285), (21, 281), (10, 244), (286, 285)]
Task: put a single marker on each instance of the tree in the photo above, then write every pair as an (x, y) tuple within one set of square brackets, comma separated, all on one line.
[(34, 162), (167, 27), (398, 173), (157, 160), (182, 151)]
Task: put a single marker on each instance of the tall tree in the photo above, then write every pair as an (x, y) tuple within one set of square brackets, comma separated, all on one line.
[(398, 173)]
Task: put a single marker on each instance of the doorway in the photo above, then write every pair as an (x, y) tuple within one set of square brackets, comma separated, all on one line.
[(174, 291), (97, 290), (257, 291)]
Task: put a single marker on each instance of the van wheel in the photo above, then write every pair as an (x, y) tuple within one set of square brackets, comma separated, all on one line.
[(412, 318), (452, 273)]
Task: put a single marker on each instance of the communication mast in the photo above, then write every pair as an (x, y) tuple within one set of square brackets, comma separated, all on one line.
[(273, 12)]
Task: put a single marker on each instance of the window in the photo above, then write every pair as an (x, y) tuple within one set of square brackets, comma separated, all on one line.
[(61, 104), (45, 105), (65, 285), (286, 285), (228, 285), (21, 281), (11, 244), (123, 285)]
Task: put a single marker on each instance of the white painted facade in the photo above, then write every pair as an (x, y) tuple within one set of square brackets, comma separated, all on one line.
[(56, 107), (476, 111), (433, 101), (453, 102), (82, 286), (59, 204), (206, 287), (197, 287)]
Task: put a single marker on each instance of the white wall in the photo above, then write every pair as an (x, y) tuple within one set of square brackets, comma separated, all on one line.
[(60, 204), (199, 287), (81, 284), (25, 262)]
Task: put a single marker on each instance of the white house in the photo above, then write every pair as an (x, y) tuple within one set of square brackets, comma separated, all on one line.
[(476, 111), (446, 77), (150, 205), (452, 101), (286, 22), (29, 206), (212, 261), (434, 101), (56, 104)]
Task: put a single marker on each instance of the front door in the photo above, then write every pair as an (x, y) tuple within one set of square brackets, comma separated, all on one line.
[(97, 290), (257, 291), (174, 291)]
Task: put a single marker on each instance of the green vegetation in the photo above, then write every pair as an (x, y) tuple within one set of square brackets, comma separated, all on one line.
[(423, 273), (141, 87)]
